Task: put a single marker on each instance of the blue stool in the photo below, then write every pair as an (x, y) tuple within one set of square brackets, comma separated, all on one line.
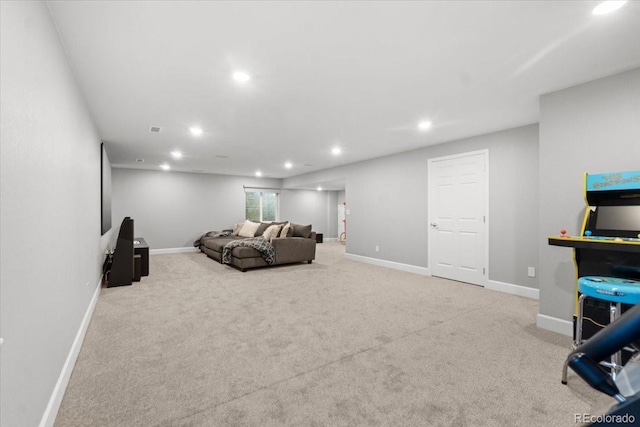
[(617, 292)]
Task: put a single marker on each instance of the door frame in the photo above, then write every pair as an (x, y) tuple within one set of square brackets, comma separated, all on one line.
[(430, 191)]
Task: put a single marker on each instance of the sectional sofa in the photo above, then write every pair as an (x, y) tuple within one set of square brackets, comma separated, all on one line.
[(286, 243)]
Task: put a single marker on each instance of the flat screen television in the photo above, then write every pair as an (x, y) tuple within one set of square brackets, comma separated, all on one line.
[(105, 191)]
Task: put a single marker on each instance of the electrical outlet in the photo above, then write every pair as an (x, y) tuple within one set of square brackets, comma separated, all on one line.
[(377, 248), (531, 272)]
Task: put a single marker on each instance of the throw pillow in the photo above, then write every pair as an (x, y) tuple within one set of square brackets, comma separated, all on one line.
[(301, 230), (236, 228), (261, 229), (249, 229), (285, 230), (271, 232)]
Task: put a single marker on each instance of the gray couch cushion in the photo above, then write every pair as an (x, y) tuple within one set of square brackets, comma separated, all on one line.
[(301, 230), (245, 252), (217, 243), (263, 226)]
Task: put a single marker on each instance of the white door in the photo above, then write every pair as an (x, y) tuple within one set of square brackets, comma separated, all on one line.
[(458, 217)]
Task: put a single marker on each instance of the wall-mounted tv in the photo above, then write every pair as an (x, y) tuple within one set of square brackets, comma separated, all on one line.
[(105, 190)]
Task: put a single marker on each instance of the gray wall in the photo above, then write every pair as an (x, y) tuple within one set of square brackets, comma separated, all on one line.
[(309, 207), (387, 198), (593, 128), (332, 212), (51, 249), (342, 196), (171, 209)]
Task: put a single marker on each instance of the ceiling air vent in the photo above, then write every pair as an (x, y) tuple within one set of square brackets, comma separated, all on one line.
[(154, 129)]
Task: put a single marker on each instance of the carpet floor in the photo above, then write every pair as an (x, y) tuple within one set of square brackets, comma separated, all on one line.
[(332, 343)]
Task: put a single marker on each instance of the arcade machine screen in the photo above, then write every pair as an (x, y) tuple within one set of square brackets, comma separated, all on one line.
[(617, 221)]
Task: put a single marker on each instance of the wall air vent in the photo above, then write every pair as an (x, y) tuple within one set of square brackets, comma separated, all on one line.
[(154, 129)]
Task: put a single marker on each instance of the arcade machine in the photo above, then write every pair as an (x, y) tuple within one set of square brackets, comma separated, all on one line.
[(608, 245)]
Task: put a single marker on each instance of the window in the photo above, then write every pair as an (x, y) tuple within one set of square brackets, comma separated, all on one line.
[(261, 205), (252, 206)]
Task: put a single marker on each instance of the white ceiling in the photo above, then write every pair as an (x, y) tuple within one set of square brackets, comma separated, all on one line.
[(357, 74)]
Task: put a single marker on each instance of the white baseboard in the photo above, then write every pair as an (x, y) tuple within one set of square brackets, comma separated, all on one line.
[(172, 250), (494, 285), (561, 326), (329, 239), (509, 288), (389, 264), (50, 413)]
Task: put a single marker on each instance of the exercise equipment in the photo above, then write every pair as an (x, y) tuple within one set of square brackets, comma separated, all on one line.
[(585, 361)]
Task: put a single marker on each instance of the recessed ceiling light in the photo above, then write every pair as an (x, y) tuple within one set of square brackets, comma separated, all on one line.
[(241, 77), (176, 154), (319, 188), (165, 167), (258, 174), (288, 165), (607, 7), (336, 151), (424, 125), (195, 131)]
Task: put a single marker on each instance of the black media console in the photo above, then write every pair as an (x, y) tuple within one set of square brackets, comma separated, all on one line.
[(130, 258)]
